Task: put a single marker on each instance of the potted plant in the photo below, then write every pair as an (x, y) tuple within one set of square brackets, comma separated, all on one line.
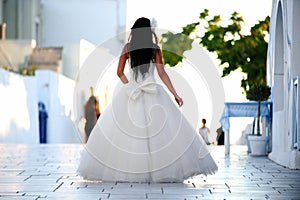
[(247, 133), (259, 93)]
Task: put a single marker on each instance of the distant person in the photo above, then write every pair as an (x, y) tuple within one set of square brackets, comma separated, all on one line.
[(42, 122), (220, 136), (91, 114), (204, 131)]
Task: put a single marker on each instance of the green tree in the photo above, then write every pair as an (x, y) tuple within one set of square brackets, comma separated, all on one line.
[(234, 49)]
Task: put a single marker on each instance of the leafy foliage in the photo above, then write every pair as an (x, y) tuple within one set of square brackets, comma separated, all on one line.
[(25, 71), (234, 49), (173, 54), (258, 92)]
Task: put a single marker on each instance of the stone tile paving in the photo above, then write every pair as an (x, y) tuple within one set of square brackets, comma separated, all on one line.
[(49, 172)]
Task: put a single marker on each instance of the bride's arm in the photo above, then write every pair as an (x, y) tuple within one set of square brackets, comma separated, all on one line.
[(164, 76), (121, 65)]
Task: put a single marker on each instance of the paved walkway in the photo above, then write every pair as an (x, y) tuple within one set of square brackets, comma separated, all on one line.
[(49, 172)]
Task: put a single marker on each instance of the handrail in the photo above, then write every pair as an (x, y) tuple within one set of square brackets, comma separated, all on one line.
[(295, 109), (6, 57), (297, 112)]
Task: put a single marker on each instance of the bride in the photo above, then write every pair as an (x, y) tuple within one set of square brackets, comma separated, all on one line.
[(142, 136)]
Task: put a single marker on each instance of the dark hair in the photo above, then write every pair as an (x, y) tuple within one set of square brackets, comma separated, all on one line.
[(141, 46)]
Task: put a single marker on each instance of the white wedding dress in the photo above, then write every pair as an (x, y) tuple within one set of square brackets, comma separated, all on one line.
[(143, 137)]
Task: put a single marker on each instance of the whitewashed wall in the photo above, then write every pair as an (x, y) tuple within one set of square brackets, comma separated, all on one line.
[(19, 107), (56, 91), (283, 67)]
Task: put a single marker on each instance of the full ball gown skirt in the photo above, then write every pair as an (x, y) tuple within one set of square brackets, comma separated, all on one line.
[(143, 137)]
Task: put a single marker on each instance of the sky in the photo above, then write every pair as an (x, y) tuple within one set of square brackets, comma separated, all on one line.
[(174, 14)]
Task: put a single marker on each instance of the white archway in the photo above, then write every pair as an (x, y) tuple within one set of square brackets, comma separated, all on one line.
[(278, 85), (278, 80)]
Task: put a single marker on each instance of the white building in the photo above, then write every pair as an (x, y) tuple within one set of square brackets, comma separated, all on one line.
[(283, 77), (63, 23), (77, 27)]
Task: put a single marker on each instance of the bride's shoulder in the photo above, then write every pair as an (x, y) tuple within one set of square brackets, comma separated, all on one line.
[(155, 46), (126, 46), (126, 50), (156, 49)]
